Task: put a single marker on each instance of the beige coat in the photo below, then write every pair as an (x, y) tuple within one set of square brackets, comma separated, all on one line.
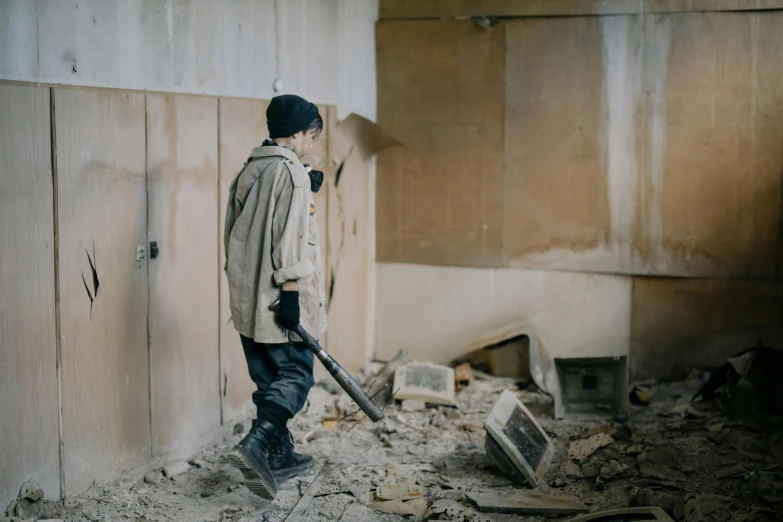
[(271, 236)]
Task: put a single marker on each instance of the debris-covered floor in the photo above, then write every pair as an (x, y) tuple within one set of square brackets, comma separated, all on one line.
[(725, 470)]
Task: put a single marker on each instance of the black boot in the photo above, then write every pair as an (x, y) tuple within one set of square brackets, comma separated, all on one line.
[(249, 457), (283, 460)]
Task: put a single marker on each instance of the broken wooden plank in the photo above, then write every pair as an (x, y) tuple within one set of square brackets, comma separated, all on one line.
[(525, 503), (304, 502)]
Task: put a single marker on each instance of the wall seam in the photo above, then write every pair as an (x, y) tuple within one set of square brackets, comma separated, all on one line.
[(147, 268), (221, 391), (57, 327)]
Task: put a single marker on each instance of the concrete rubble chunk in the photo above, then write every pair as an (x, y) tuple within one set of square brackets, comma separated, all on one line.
[(611, 469), (572, 469), (527, 503), (583, 448), (31, 492)]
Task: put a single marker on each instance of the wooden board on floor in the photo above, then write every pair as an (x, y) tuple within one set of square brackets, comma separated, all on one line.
[(242, 127), (29, 435), (439, 196), (568, 192), (182, 158), (681, 324), (102, 222), (716, 197)]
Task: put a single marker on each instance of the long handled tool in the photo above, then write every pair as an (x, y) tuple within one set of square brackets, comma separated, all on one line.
[(341, 376)]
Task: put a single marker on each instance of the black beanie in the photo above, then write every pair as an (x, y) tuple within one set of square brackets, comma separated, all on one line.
[(289, 114)]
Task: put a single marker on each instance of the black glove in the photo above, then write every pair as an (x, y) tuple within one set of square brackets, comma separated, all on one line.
[(288, 310)]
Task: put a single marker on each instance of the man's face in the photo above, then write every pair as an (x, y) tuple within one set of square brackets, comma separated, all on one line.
[(303, 142)]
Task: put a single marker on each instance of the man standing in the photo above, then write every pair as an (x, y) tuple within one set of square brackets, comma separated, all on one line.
[(272, 252)]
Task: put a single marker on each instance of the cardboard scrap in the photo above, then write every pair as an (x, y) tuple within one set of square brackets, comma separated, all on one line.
[(527, 503), (358, 131), (415, 507), (581, 449), (401, 490)]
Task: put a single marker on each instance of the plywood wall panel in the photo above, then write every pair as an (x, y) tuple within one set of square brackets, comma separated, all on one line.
[(242, 126), (719, 180), (182, 177), (569, 143), (439, 197), (682, 324), (29, 435), (102, 221), (348, 263)]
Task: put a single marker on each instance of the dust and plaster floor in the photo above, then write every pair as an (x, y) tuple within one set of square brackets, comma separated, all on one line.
[(727, 470)]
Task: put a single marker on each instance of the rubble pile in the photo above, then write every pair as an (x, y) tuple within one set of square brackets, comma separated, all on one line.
[(429, 462)]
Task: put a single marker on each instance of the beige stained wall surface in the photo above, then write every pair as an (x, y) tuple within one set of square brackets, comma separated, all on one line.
[(29, 432), (242, 127), (439, 196), (102, 213), (644, 144), (182, 187)]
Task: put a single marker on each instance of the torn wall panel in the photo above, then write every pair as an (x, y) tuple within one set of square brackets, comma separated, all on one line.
[(242, 126), (182, 184), (680, 324), (439, 197), (347, 233), (28, 356), (102, 217)]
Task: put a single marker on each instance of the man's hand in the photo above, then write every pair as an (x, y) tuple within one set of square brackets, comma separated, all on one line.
[(288, 311)]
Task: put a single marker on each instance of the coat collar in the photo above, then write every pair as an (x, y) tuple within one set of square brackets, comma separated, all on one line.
[(263, 151)]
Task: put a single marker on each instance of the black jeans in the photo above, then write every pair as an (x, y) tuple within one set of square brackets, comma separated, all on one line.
[(283, 373)]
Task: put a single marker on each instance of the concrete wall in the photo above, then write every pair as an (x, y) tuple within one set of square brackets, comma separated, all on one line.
[(321, 49)]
